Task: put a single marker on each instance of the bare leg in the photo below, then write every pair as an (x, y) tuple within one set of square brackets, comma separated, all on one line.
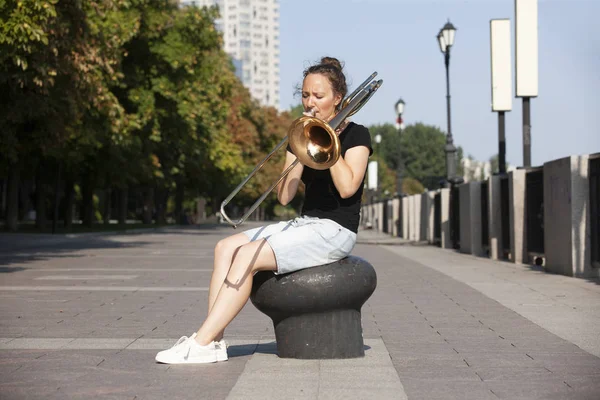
[(225, 252), (235, 291)]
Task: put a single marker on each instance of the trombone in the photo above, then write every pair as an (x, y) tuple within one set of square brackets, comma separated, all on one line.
[(313, 141)]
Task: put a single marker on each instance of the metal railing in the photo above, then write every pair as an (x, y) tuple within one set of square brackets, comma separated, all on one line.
[(386, 216), (455, 217), (505, 215), (485, 231), (594, 177), (437, 219), (400, 221), (534, 209)]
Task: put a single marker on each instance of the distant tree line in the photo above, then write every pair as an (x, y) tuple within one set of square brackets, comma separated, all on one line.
[(421, 148), (123, 109)]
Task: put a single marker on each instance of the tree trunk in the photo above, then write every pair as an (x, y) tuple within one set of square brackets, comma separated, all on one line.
[(123, 198), (87, 200), (107, 203), (25, 187), (3, 199), (56, 202), (179, 195), (69, 202), (148, 206), (40, 199), (162, 196), (12, 204), (214, 208)]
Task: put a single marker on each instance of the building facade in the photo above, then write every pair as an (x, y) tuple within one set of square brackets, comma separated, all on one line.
[(251, 37)]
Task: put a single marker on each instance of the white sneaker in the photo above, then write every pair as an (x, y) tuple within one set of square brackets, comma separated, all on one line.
[(221, 347), (188, 351)]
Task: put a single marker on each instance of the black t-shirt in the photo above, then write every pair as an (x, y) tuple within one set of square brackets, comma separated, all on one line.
[(322, 199)]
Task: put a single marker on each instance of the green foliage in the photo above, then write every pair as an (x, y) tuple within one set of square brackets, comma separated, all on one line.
[(296, 111), (421, 149), (284, 213), (412, 186), (130, 93)]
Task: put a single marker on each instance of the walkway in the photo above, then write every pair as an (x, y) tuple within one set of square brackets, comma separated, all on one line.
[(84, 316)]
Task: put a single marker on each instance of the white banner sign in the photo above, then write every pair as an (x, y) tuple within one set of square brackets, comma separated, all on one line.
[(501, 65), (526, 48), (372, 175)]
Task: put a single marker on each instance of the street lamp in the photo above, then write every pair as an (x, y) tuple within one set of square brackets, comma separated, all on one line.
[(446, 40), (400, 165), (377, 141)]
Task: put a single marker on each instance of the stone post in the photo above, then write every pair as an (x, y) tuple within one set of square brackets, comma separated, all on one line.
[(445, 218), (566, 217), (405, 217), (518, 238), (427, 217), (470, 218), (495, 218), (395, 215), (417, 217)]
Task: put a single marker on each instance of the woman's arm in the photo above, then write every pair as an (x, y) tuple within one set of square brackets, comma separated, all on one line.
[(287, 188), (349, 171)]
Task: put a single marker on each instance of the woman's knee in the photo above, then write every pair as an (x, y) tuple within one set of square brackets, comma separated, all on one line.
[(225, 248), (254, 256)]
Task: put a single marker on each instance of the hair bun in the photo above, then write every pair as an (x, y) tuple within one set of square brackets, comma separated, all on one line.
[(331, 61)]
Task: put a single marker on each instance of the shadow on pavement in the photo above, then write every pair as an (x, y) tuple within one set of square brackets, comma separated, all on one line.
[(21, 248), (242, 350), (47, 248)]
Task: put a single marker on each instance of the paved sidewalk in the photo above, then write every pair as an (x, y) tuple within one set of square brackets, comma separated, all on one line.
[(84, 316)]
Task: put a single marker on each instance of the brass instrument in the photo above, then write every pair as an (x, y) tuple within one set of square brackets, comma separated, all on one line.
[(313, 141)]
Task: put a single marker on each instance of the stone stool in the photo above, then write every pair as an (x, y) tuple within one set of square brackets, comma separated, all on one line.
[(316, 311)]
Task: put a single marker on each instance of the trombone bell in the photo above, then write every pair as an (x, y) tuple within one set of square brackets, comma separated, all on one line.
[(314, 142)]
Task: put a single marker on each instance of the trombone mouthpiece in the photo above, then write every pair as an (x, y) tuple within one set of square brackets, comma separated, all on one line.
[(310, 113)]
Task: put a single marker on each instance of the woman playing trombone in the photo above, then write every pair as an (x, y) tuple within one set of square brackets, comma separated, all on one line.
[(324, 233)]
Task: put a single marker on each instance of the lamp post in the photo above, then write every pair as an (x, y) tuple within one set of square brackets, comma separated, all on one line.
[(377, 189), (399, 106), (446, 40), (400, 164)]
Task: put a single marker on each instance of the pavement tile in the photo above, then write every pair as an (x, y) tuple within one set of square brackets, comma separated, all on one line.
[(409, 349), (337, 393), (552, 359), (27, 343), (477, 360), (92, 344), (493, 373), (429, 361), (425, 389), (261, 385), (443, 373), (590, 383), (530, 389)]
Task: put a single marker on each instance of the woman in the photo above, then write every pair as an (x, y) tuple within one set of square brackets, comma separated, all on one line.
[(326, 231)]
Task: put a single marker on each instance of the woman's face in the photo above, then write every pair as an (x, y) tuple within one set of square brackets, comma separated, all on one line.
[(318, 95)]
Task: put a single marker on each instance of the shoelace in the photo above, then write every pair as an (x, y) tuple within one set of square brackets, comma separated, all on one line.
[(181, 341)]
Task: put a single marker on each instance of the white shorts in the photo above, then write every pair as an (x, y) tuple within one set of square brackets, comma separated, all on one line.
[(305, 242)]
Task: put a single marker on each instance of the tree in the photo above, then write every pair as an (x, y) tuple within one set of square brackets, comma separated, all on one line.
[(55, 65), (296, 111), (125, 93), (422, 151)]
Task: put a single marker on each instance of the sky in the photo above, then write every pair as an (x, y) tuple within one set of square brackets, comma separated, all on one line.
[(397, 38)]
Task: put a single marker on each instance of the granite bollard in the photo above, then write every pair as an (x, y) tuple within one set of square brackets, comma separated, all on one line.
[(316, 311)]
